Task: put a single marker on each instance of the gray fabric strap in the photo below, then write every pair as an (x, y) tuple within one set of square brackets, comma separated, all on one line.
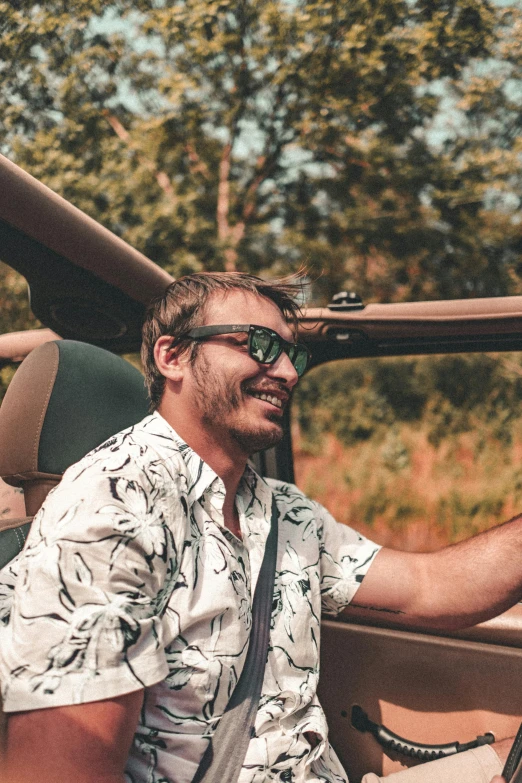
[(12, 540), (226, 751)]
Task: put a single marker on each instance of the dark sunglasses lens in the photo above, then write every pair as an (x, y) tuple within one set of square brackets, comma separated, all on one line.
[(300, 359), (264, 346)]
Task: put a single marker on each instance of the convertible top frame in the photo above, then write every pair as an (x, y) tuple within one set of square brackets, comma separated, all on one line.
[(88, 284)]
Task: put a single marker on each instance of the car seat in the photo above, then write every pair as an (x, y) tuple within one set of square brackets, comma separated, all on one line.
[(65, 399)]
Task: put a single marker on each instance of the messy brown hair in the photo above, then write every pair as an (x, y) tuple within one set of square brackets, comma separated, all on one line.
[(181, 308)]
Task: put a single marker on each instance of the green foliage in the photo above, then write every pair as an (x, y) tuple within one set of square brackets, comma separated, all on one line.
[(416, 453), (265, 134), (449, 395), (15, 313)]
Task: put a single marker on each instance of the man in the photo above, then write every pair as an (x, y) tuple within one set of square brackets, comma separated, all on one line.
[(131, 617)]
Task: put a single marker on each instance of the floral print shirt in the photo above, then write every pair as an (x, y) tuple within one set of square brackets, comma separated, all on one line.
[(130, 580)]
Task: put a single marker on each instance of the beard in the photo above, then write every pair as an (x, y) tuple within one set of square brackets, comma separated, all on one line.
[(220, 404), (252, 441)]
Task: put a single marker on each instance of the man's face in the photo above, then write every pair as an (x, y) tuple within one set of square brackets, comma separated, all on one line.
[(236, 397)]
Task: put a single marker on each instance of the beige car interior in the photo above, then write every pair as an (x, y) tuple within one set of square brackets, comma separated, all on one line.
[(68, 397)]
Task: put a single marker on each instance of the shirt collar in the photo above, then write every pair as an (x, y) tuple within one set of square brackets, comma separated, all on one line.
[(200, 476), (254, 495)]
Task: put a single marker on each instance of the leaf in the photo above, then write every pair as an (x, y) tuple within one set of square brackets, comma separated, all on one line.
[(82, 571)]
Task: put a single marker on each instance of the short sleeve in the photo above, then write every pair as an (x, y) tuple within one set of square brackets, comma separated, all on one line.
[(345, 557), (93, 583)]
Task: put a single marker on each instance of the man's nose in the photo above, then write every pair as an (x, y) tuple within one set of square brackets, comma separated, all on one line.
[(284, 370)]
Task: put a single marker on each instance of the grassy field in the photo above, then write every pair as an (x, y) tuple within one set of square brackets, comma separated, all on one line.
[(405, 492)]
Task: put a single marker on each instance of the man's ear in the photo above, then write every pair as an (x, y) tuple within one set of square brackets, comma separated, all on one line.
[(171, 362)]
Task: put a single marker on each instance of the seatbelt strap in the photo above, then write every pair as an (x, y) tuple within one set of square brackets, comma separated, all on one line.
[(226, 751)]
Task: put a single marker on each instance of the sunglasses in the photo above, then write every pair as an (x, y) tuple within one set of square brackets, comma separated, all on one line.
[(264, 345)]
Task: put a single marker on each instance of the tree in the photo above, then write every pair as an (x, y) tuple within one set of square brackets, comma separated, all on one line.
[(267, 134)]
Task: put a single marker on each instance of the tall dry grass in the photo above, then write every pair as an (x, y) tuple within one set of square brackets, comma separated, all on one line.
[(406, 493)]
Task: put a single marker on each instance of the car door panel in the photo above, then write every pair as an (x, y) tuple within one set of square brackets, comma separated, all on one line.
[(426, 688)]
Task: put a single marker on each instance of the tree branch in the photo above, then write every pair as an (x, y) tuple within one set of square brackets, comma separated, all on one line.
[(161, 177), (198, 166), (223, 198), (232, 236)]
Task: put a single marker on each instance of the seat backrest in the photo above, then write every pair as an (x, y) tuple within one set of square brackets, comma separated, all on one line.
[(65, 399)]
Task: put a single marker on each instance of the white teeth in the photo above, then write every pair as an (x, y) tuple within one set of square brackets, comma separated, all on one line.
[(268, 398)]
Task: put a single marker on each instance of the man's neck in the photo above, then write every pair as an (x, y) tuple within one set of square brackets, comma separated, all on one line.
[(222, 454)]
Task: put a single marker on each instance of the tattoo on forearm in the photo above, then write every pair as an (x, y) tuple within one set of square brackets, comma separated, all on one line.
[(378, 609)]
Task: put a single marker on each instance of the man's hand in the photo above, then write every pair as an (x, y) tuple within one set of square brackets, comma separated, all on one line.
[(78, 744)]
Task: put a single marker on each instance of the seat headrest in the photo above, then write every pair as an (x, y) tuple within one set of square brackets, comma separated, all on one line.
[(65, 399)]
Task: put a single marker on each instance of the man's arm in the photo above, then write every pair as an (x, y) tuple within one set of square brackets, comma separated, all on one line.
[(458, 586), (85, 743)]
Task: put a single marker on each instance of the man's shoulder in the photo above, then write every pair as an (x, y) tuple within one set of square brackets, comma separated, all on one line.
[(137, 474), (284, 491), (292, 502), (148, 447)]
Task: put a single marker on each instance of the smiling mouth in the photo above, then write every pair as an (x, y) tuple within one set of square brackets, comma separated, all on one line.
[(271, 398)]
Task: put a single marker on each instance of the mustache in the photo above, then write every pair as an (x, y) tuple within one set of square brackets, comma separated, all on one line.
[(280, 390)]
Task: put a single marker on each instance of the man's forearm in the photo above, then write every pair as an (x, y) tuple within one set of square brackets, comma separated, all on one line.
[(476, 579), (456, 587)]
